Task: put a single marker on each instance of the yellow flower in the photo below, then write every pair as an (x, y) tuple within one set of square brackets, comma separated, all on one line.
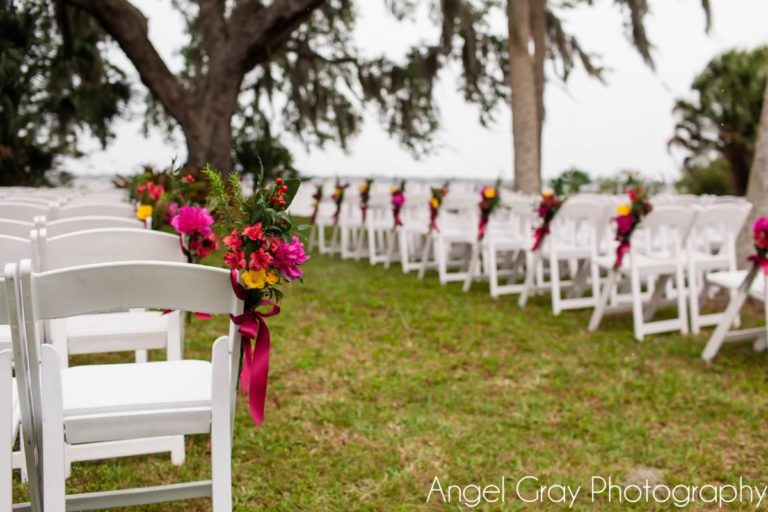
[(272, 277), (623, 210), (392, 189), (144, 211), (435, 203), (489, 193), (363, 187), (255, 279), (548, 194)]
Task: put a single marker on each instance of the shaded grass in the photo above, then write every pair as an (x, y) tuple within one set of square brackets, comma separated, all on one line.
[(380, 382)]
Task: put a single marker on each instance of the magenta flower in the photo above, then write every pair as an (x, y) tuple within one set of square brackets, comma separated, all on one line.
[(288, 256), (192, 219), (398, 199), (624, 224), (760, 232)]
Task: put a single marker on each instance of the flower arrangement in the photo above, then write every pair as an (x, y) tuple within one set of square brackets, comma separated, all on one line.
[(760, 239), (365, 197), (489, 201), (435, 202), (338, 198), (317, 197), (547, 210), (148, 194), (262, 254), (398, 200), (628, 217)]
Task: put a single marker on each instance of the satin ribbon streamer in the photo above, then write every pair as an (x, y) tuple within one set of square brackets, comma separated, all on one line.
[(538, 237), (433, 219), (761, 261), (481, 227), (254, 369)]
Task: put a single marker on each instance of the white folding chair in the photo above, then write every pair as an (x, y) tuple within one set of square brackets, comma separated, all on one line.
[(656, 252), (109, 209), (106, 403), (72, 224), (741, 284), (406, 242), (572, 246), (134, 330), (379, 226), (449, 247), (711, 247)]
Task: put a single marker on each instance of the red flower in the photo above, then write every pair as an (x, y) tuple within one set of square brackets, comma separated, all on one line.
[(254, 232), (155, 191), (235, 259), (233, 241), (202, 246), (260, 260), (140, 189), (188, 179)]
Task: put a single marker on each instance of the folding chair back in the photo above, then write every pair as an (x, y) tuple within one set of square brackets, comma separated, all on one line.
[(123, 210), (16, 228), (105, 245), (72, 224), (25, 212), (664, 229), (717, 225)]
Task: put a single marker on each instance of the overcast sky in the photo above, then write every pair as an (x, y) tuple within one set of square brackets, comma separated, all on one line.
[(600, 128)]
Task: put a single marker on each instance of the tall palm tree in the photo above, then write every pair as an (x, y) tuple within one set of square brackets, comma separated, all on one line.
[(757, 190)]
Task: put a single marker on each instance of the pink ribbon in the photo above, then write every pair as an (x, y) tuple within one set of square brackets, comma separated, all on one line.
[(364, 210), (760, 260), (396, 213), (621, 250), (481, 227), (538, 237), (433, 219), (254, 371)]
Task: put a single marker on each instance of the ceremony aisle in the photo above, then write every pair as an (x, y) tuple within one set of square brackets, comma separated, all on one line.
[(379, 383)]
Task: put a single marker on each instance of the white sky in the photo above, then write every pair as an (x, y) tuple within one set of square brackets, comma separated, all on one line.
[(596, 127)]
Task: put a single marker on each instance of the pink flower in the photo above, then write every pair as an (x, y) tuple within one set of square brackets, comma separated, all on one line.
[(288, 257), (624, 224), (235, 259), (192, 219), (233, 240), (155, 191), (140, 189), (202, 246), (188, 179), (398, 199), (260, 259), (760, 233), (254, 232), (173, 208)]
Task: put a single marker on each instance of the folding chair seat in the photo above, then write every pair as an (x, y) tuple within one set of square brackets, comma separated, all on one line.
[(656, 253), (711, 246), (113, 403)]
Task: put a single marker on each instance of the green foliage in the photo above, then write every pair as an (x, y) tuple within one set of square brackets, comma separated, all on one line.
[(54, 86), (256, 148), (619, 182), (713, 178), (569, 182), (723, 118)]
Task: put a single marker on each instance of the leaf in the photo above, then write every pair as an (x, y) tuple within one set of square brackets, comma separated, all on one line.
[(293, 187)]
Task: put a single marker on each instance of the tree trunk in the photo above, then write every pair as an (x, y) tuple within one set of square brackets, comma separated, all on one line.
[(522, 81), (539, 35), (757, 191)]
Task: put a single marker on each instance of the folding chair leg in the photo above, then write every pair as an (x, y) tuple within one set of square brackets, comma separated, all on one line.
[(391, 241), (221, 429), (602, 303), (493, 271), (682, 307), (638, 316), (425, 255), (718, 336), (53, 451), (6, 430), (473, 267), (554, 277), (695, 305), (142, 356), (532, 262)]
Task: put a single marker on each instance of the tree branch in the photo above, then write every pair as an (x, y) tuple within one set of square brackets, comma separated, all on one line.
[(128, 26), (259, 31), (212, 25)]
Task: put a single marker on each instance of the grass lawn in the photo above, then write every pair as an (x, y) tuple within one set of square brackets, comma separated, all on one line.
[(380, 382)]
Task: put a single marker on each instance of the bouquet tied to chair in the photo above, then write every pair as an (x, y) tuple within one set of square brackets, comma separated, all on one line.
[(262, 255), (547, 210), (435, 202), (489, 201), (628, 217)]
